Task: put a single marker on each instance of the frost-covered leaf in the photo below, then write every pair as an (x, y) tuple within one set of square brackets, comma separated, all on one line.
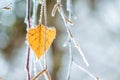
[(38, 41)]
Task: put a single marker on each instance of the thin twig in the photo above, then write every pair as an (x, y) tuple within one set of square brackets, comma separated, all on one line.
[(45, 75), (42, 72), (55, 8), (45, 18), (48, 75), (80, 51), (34, 16), (28, 26), (28, 17), (70, 61), (71, 36), (7, 7), (27, 64), (41, 14), (91, 75), (70, 47), (39, 74), (45, 12), (44, 69), (34, 20), (45, 59), (34, 64)]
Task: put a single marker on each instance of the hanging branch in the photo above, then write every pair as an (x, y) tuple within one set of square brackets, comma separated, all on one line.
[(34, 23), (78, 66), (7, 7), (44, 71), (47, 76), (41, 14), (70, 61), (68, 6), (45, 18), (27, 65), (27, 21), (34, 15), (68, 23)]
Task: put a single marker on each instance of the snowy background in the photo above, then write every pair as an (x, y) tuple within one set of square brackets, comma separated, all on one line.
[(96, 28)]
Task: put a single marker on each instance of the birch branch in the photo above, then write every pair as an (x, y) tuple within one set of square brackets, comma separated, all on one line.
[(66, 20), (27, 21)]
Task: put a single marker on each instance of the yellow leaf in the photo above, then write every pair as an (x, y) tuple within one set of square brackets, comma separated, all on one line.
[(37, 38)]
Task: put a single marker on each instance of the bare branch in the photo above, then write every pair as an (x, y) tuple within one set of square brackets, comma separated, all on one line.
[(91, 75), (27, 21)]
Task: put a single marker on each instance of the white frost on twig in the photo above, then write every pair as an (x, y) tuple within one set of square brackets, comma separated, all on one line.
[(26, 20), (80, 51), (91, 75), (45, 75), (41, 14), (60, 10), (34, 15), (71, 39), (68, 6)]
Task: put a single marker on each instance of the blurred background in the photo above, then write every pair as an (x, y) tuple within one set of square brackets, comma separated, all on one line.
[(96, 28)]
